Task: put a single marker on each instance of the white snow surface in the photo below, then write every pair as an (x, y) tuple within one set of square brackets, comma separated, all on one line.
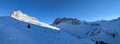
[(24, 17), (14, 30), (105, 31)]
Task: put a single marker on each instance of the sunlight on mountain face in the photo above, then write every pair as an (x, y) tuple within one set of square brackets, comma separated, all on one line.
[(70, 22), (22, 29), (19, 27), (23, 17)]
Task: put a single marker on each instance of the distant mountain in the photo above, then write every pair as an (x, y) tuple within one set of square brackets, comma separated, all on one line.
[(102, 32), (73, 21), (19, 28)]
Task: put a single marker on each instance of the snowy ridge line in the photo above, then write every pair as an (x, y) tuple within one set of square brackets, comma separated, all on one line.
[(23, 17)]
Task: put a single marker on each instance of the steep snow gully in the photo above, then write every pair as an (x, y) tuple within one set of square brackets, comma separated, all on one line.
[(19, 28)]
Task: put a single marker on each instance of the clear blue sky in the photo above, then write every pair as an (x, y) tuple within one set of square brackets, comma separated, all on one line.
[(48, 10)]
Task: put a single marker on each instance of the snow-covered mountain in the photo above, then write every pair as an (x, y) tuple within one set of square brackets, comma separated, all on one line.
[(102, 32), (23, 17), (19, 28)]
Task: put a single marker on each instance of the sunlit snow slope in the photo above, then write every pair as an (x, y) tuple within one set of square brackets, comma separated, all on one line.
[(21, 29)]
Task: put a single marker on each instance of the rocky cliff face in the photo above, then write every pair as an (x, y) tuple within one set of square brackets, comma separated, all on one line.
[(73, 21), (24, 17)]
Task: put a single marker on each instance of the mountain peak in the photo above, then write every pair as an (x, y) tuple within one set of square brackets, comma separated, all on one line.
[(73, 21), (21, 16)]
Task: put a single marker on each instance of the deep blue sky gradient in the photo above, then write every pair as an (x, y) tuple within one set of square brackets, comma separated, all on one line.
[(48, 10)]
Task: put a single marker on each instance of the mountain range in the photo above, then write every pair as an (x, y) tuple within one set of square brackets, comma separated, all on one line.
[(20, 28), (101, 32)]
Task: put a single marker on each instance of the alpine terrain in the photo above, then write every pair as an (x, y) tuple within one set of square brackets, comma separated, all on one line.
[(101, 32), (19, 28)]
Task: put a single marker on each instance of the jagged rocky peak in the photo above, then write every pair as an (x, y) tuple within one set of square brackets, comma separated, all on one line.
[(21, 16), (118, 18), (73, 21)]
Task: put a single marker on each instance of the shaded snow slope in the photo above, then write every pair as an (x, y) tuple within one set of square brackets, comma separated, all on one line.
[(24, 17), (99, 31), (19, 28), (13, 31)]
